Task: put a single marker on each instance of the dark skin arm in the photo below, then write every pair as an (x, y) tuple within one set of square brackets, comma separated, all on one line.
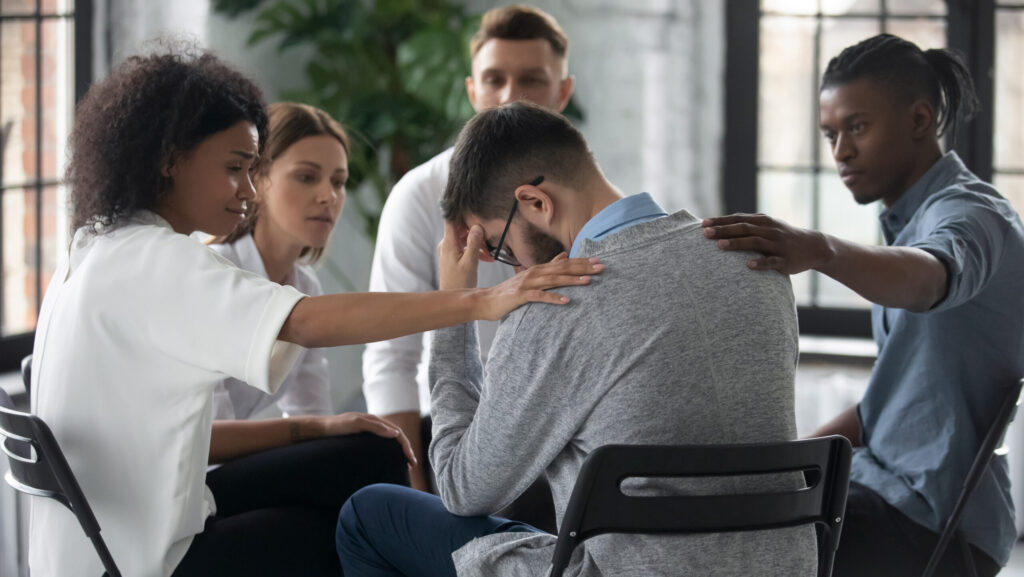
[(354, 318), (891, 276), (846, 424), (895, 277)]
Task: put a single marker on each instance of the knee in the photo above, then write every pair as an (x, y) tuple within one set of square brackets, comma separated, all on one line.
[(390, 458), (364, 507)]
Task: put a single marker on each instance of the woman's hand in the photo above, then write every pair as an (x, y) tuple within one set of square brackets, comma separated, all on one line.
[(351, 423), (530, 285)]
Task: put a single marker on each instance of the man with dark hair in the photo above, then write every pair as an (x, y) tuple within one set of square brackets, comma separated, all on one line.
[(519, 53), (950, 275), (669, 346)]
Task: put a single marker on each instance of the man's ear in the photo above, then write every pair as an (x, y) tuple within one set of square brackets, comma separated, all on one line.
[(536, 205), (471, 91), (565, 89), (922, 119)]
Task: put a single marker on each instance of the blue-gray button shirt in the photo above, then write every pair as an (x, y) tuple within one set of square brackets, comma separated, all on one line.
[(941, 375), (619, 215)]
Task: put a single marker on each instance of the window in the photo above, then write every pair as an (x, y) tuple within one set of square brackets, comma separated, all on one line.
[(776, 159), (45, 62), (1008, 133)]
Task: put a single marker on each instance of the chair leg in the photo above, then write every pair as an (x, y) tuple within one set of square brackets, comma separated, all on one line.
[(967, 556)]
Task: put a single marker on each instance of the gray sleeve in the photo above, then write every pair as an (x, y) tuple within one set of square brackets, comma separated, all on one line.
[(494, 435)]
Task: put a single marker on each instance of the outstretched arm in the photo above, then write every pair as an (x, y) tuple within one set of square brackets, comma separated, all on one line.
[(896, 277), (346, 319)]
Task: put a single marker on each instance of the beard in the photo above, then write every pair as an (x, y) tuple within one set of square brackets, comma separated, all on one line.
[(543, 247)]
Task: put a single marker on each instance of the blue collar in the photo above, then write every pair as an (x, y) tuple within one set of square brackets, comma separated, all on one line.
[(895, 218), (622, 213)]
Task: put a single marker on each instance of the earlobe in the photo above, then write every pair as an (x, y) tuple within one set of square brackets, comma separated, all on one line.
[(565, 92), (471, 91), (169, 169), (923, 118)]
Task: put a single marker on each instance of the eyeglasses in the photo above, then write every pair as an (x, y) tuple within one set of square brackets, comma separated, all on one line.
[(498, 253)]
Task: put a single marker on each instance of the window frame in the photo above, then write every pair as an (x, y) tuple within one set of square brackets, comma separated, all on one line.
[(970, 29), (15, 347)]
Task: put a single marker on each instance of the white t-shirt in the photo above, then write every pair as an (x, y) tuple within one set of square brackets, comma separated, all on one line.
[(137, 328), (405, 260), (306, 390)]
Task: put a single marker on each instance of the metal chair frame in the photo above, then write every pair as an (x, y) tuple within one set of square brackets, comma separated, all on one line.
[(990, 447), (598, 506), (38, 468)]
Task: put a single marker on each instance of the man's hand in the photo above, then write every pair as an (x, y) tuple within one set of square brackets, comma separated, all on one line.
[(787, 249), (458, 256)]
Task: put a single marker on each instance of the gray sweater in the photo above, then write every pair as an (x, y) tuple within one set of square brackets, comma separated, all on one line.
[(676, 342)]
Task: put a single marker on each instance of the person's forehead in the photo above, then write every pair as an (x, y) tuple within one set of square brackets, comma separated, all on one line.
[(514, 55), (492, 228), (862, 96), (241, 136)]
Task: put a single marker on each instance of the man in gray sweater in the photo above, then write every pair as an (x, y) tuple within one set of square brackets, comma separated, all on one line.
[(676, 342)]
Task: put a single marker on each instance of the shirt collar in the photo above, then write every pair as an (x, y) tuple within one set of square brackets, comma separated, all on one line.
[(620, 214), (895, 218), (249, 256)]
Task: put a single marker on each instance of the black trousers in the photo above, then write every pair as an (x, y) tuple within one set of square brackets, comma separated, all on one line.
[(880, 541), (534, 507), (277, 510)]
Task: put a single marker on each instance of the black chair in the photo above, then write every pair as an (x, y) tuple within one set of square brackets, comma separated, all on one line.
[(38, 468), (598, 506), (26, 374), (990, 447)]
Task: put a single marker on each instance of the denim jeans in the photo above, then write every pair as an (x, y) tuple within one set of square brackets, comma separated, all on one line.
[(389, 530)]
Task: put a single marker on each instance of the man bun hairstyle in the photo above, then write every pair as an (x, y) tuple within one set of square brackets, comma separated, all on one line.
[(937, 75), (503, 148)]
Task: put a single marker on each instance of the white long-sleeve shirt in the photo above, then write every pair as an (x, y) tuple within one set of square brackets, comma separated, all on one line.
[(306, 390), (411, 227)]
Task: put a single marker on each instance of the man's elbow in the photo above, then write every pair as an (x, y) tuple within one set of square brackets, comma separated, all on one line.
[(461, 506)]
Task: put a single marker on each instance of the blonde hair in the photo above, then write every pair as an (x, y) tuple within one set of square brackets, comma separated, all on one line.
[(289, 123)]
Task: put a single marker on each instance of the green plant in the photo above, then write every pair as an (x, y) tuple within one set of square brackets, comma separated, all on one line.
[(391, 70)]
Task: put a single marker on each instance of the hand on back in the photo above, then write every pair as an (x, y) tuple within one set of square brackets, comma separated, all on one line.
[(786, 248), (459, 254)]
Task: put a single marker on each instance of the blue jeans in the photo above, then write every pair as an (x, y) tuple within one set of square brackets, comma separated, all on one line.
[(388, 530)]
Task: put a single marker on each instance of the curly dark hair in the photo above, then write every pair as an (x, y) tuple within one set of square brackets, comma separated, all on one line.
[(149, 108)]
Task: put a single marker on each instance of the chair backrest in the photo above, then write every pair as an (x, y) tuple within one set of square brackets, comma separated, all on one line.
[(38, 468), (990, 446), (598, 505), (26, 373)]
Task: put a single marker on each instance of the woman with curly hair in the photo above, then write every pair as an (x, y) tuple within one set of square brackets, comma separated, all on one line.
[(141, 322)]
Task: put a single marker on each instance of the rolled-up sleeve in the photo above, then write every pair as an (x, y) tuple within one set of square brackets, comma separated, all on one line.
[(967, 234)]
